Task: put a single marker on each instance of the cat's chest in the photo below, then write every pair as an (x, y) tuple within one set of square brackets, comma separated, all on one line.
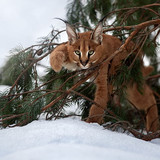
[(70, 66)]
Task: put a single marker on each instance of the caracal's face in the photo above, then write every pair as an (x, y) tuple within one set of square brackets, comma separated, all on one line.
[(83, 51)]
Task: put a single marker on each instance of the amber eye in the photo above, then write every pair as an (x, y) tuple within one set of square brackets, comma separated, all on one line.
[(91, 52), (77, 52)]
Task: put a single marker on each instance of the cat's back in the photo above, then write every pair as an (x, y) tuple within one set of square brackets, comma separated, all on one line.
[(111, 41)]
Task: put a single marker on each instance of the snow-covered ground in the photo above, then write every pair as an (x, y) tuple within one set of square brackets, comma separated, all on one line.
[(72, 139)]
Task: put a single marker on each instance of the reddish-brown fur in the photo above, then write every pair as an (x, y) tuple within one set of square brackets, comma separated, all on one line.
[(74, 55)]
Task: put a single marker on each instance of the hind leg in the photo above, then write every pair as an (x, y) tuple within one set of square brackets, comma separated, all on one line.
[(152, 118), (146, 102)]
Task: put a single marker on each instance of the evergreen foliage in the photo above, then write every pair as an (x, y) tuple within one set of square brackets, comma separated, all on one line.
[(22, 103), (30, 94), (121, 14)]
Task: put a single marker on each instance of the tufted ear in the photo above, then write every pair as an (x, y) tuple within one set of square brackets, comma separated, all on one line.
[(96, 35), (72, 35)]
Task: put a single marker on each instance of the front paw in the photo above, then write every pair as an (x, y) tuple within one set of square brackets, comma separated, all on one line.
[(95, 119), (96, 115), (56, 60)]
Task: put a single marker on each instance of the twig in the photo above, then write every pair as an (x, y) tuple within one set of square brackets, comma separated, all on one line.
[(12, 117), (147, 137), (153, 77), (25, 70), (110, 112), (69, 90), (133, 8)]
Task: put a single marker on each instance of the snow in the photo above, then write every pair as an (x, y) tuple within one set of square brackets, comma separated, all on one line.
[(3, 88), (72, 139)]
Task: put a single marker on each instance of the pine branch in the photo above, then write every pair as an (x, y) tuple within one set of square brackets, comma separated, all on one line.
[(127, 127), (153, 77), (19, 107), (69, 90), (11, 117), (134, 9)]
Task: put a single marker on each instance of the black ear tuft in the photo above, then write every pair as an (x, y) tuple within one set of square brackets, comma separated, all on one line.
[(96, 35)]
